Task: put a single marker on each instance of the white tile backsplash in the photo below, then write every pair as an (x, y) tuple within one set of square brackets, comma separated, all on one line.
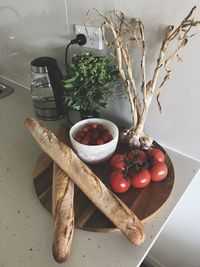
[(29, 29)]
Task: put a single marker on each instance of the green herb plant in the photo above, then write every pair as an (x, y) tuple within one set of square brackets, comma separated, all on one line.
[(89, 82)]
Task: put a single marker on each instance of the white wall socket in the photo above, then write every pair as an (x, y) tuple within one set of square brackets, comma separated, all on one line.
[(93, 35)]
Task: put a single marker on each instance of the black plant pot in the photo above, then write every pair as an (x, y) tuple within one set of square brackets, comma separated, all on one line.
[(85, 114)]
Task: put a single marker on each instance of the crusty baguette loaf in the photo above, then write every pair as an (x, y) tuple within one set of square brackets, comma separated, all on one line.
[(62, 207), (88, 182)]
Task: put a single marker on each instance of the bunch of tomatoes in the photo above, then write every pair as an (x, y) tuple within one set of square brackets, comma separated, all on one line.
[(137, 168)]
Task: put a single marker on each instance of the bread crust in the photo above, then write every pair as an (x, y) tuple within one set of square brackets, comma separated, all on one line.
[(63, 215), (62, 207), (88, 182)]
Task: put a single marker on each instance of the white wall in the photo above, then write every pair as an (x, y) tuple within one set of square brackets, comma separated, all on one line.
[(29, 29)]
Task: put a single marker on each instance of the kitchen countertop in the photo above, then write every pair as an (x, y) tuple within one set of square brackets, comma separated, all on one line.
[(26, 227)]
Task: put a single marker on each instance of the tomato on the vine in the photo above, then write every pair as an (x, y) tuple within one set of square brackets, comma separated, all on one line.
[(118, 182), (158, 171), (156, 154), (137, 168), (140, 179), (118, 162)]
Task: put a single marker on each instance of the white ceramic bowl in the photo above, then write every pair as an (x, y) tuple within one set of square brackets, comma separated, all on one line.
[(94, 153)]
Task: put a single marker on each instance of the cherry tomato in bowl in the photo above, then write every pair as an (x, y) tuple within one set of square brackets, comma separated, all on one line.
[(102, 139), (118, 182), (93, 134)]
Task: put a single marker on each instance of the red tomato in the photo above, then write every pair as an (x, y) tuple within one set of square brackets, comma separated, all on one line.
[(117, 162), (110, 138), (94, 125), (85, 129), (105, 137), (99, 142), (89, 126), (136, 154), (79, 134), (156, 154), (85, 141), (140, 179), (118, 183), (158, 171)]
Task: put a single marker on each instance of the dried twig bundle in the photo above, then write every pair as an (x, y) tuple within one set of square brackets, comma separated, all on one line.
[(122, 34)]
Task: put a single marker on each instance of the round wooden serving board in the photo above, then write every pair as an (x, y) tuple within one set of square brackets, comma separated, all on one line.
[(145, 203)]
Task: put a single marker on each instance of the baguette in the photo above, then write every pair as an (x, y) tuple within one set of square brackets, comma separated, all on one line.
[(62, 208), (88, 182)]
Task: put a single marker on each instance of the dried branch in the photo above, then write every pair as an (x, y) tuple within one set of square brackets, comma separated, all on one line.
[(181, 33), (143, 65)]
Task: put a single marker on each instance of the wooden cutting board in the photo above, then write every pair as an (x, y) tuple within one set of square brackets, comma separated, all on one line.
[(144, 202)]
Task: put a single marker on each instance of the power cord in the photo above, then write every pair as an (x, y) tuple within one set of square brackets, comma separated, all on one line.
[(80, 40)]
